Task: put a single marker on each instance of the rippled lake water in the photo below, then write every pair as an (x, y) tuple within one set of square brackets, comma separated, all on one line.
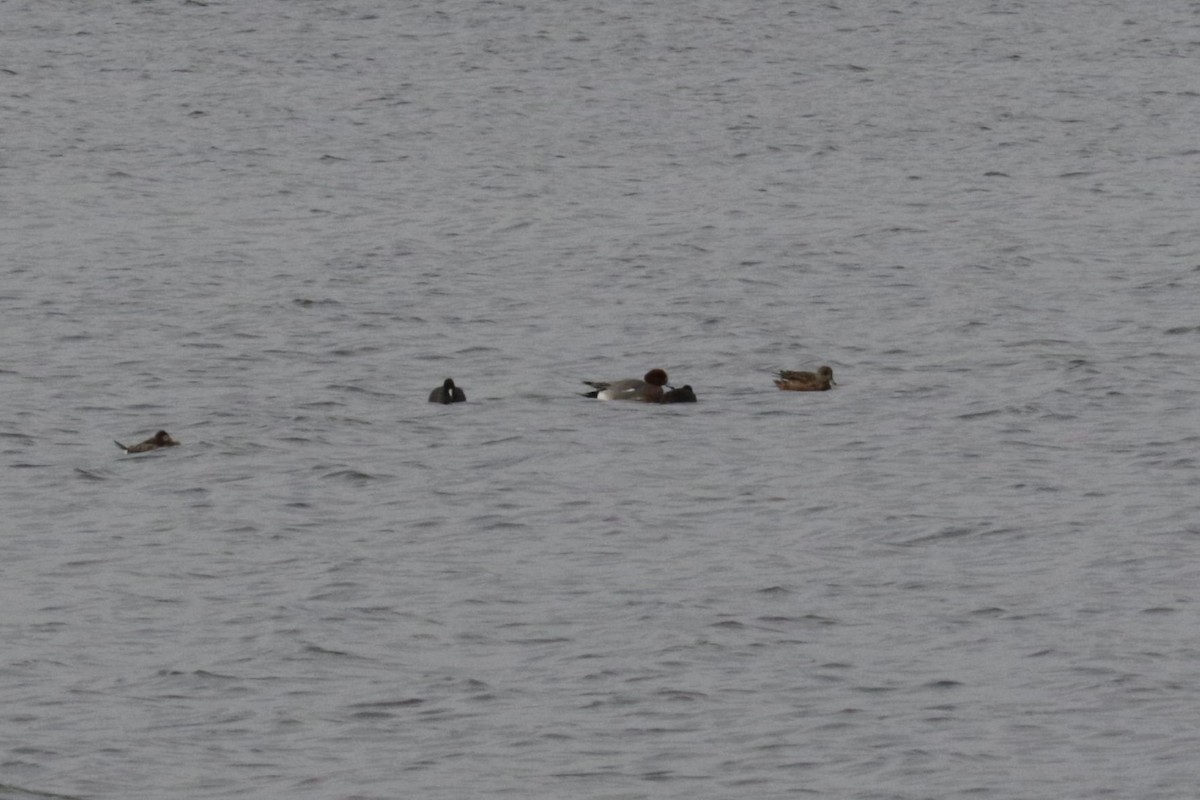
[(272, 228)]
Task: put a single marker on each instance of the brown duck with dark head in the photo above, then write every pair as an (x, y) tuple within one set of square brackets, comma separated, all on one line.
[(791, 380), (160, 439)]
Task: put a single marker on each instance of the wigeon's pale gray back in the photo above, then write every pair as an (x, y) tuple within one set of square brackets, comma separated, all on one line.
[(160, 439), (647, 390), (791, 380), (447, 393)]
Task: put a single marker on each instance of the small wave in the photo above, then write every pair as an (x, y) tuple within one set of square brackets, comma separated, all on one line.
[(806, 619), (380, 704), (979, 414), (326, 651), (89, 476), (957, 532), (351, 475), (7, 790)]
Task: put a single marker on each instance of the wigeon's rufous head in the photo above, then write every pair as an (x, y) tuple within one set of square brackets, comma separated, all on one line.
[(656, 377)]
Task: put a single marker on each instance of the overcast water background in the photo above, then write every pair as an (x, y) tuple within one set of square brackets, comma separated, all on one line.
[(271, 228)]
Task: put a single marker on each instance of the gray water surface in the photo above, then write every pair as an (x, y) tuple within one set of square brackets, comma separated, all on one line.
[(272, 228)]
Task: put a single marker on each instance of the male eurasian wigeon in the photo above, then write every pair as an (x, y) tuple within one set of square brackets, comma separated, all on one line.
[(160, 439), (796, 381), (683, 394), (447, 393), (647, 390)]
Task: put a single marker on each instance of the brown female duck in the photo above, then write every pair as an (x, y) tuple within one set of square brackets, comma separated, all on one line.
[(798, 381), (160, 439)]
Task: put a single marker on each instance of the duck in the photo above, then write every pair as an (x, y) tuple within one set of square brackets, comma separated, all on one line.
[(683, 394), (791, 380), (647, 390), (160, 439), (447, 393)]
